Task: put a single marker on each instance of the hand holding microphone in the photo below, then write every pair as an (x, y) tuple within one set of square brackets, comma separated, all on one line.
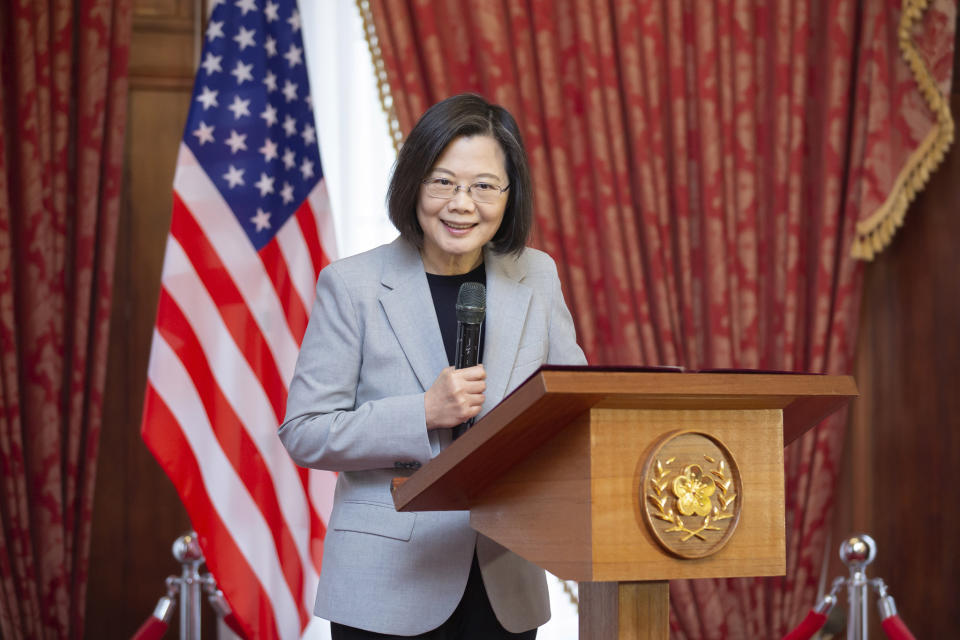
[(456, 396)]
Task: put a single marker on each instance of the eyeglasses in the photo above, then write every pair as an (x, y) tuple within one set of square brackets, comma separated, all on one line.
[(481, 192)]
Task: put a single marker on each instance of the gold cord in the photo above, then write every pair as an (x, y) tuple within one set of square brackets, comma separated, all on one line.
[(380, 69)]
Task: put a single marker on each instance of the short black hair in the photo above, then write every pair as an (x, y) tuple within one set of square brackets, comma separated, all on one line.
[(467, 115)]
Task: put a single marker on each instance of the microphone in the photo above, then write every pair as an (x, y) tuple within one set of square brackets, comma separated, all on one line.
[(471, 308)]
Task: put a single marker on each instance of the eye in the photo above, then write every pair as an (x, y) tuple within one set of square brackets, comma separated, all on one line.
[(484, 186), (442, 182)]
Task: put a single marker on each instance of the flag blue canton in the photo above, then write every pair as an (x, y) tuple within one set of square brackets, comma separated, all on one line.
[(251, 123)]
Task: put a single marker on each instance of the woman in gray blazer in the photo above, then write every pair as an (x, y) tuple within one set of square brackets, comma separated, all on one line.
[(375, 396)]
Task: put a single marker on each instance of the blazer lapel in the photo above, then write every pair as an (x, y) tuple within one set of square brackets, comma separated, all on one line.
[(507, 304), (409, 308)]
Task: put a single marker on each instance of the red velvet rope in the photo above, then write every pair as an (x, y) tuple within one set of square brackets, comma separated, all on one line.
[(809, 626), (152, 629), (895, 629)]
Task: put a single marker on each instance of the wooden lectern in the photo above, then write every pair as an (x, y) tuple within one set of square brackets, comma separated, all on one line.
[(623, 479)]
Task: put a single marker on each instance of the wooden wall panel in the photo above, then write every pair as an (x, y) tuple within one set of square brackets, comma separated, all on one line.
[(900, 473), (137, 513)]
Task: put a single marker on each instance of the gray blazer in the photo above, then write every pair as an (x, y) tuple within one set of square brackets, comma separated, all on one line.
[(371, 350)]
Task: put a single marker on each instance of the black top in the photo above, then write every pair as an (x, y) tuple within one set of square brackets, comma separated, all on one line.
[(444, 290)]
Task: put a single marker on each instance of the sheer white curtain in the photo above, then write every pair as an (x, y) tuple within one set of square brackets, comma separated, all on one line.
[(357, 156), (355, 145)]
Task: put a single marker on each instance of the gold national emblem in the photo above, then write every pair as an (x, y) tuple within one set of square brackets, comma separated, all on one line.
[(690, 494)]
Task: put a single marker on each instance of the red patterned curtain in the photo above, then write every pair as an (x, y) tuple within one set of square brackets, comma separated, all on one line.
[(704, 172), (64, 93)]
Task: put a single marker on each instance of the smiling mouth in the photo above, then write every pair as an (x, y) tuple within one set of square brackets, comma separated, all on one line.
[(459, 226)]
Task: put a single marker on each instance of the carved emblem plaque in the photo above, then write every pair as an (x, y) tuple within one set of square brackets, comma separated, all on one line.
[(690, 493)]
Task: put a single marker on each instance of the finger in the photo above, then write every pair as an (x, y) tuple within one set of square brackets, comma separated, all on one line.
[(469, 406), (473, 386), (472, 411), (471, 398), (476, 372)]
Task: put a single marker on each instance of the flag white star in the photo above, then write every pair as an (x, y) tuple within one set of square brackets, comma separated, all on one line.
[(294, 21), (289, 159), (244, 38), (290, 126), (208, 98), (265, 184), (214, 31), (270, 115), (211, 63), (269, 150), (289, 90), (239, 107), (242, 72), (236, 141), (262, 219), (246, 5), (287, 193), (306, 168), (270, 45), (294, 55), (271, 81), (204, 133), (270, 11), (234, 176), (309, 135)]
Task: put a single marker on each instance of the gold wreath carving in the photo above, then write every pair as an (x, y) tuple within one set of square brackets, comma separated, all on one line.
[(692, 498)]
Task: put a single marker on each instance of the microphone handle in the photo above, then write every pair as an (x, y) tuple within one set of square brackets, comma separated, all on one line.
[(468, 345), (468, 355)]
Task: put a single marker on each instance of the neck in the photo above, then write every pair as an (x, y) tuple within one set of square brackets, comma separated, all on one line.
[(450, 265)]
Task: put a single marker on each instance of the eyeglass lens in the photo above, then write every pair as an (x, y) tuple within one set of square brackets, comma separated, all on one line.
[(482, 192)]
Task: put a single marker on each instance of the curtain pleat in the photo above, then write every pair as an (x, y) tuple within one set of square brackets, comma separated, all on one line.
[(64, 66)]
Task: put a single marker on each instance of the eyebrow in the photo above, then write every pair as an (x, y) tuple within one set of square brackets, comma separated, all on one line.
[(477, 177)]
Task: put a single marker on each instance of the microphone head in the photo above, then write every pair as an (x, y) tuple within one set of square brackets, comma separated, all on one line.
[(471, 303)]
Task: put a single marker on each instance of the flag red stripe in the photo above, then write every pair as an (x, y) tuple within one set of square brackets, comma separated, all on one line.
[(233, 309), (277, 271), (243, 590), (311, 235), (234, 440)]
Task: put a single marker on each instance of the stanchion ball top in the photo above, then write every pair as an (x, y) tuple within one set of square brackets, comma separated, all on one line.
[(858, 551), (186, 548)]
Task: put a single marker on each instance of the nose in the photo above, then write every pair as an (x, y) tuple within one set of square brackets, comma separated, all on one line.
[(461, 200)]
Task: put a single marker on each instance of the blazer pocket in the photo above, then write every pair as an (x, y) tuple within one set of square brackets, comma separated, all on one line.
[(374, 518)]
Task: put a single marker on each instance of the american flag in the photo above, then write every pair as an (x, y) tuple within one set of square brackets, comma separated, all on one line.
[(249, 233)]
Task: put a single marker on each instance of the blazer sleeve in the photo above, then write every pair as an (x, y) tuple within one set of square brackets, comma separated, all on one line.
[(323, 427), (563, 336)]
